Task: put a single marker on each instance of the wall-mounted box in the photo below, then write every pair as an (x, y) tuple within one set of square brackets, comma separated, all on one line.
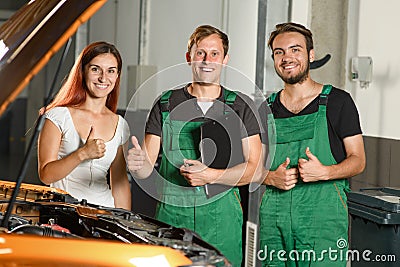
[(361, 70)]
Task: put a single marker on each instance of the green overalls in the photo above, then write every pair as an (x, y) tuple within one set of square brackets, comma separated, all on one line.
[(218, 220), (309, 222)]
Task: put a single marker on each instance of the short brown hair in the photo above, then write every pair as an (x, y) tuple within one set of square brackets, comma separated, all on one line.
[(204, 31), (292, 27)]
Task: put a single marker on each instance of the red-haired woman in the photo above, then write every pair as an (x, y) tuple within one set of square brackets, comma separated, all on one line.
[(83, 138)]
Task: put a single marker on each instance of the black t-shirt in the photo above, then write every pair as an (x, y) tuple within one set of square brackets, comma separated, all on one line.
[(183, 106), (342, 116)]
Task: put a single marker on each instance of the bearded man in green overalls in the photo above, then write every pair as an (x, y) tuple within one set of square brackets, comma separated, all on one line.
[(315, 133), (174, 123)]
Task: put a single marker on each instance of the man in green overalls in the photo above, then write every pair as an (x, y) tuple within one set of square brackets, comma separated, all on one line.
[(174, 123), (315, 133)]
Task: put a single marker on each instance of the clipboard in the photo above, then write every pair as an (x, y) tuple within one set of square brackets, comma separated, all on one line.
[(221, 146)]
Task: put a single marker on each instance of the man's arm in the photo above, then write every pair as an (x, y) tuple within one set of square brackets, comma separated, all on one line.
[(313, 170), (141, 161)]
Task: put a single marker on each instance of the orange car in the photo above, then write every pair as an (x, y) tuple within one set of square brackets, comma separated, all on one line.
[(49, 227), (42, 226)]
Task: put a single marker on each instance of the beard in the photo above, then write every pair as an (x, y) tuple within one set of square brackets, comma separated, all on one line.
[(299, 78)]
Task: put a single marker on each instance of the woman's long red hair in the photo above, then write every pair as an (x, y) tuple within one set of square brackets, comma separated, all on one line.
[(73, 91)]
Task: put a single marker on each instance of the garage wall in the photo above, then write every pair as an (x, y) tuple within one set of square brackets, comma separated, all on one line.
[(377, 37), (373, 33)]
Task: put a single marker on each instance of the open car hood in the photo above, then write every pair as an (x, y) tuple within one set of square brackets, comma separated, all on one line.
[(47, 226), (32, 36)]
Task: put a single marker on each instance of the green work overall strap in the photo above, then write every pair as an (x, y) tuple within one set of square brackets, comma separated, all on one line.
[(178, 143), (229, 99), (323, 97), (164, 101), (271, 99), (271, 125)]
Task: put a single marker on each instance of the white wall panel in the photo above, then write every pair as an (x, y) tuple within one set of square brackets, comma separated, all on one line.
[(378, 37)]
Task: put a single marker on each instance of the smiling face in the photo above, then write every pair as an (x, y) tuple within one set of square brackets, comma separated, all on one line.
[(291, 60), (101, 74), (207, 59)]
